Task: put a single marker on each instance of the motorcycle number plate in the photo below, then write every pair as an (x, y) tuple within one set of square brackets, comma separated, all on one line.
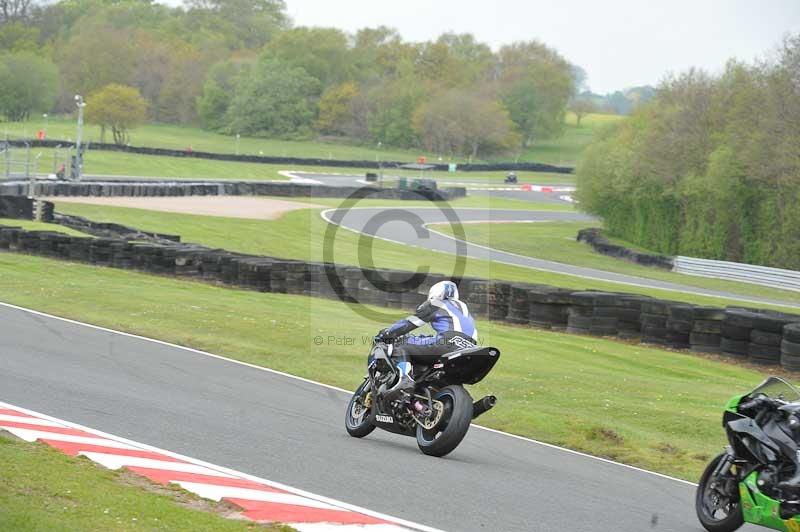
[(384, 418)]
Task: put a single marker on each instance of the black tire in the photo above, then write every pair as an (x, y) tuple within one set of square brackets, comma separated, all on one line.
[(708, 326), (790, 348), (679, 327), (764, 354), (734, 332), (791, 332), (705, 339), (740, 318), (578, 322), (790, 363), (765, 338), (653, 320), (709, 313), (732, 518), (774, 323), (603, 331), (452, 428), (359, 425), (734, 347), (681, 313)]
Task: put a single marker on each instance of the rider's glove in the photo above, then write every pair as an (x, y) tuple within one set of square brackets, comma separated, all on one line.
[(382, 336)]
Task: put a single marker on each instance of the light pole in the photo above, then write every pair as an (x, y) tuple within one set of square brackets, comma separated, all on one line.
[(78, 161), (45, 125), (380, 165)]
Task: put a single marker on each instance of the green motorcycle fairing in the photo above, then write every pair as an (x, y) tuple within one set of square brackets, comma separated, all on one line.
[(760, 509), (733, 403)]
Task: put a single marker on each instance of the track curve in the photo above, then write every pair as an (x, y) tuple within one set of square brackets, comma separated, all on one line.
[(409, 227), (291, 431)]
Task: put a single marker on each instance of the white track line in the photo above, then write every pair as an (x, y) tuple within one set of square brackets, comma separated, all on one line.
[(301, 379)]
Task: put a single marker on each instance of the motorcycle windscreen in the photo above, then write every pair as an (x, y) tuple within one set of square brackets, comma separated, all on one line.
[(469, 366)]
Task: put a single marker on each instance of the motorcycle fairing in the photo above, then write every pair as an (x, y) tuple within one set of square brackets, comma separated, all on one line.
[(760, 509), (746, 425), (468, 366)]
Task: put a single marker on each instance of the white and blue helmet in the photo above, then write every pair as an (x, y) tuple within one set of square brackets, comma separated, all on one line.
[(443, 290)]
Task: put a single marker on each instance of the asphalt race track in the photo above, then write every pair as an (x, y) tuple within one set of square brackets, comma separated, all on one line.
[(407, 226), (291, 431)]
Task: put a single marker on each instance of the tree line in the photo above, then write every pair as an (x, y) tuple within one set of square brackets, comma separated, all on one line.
[(710, 167), (241, 67)]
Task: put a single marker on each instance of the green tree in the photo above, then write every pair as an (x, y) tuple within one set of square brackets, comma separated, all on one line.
[(322, 52), (28, 83), (581, 107), (252, 23), (276, 99), (465, 123), (212, 105), (335, 108), (117, 107), (535, 85)]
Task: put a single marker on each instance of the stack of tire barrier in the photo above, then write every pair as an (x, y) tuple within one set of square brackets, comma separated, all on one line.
[(790, 347), (217, 188), (478, 298), (706, 335), (19, 207), (767, 335), (737, 325), (654, 316), (678, 325), (593, 313), (548, 307), (497, 298), (594, 237), (518, 305)]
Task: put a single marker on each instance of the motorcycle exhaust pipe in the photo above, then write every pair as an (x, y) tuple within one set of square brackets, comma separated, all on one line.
[(482, 406)]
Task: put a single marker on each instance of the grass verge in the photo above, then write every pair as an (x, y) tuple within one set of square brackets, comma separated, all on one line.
[(648, 407), (556, 241), (563, 150), (301, 235), (43, 489), (108, 163)]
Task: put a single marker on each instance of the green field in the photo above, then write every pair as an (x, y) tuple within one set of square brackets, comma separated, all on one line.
[(44, 489), (556, 241), (106, 163), (564, 150), (567, 150), (648, 407), (300, 235)]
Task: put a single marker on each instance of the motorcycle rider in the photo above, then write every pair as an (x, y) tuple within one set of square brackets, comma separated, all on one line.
[(449, 317)]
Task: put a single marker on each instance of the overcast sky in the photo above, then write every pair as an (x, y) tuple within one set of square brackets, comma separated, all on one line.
[(620, 43)]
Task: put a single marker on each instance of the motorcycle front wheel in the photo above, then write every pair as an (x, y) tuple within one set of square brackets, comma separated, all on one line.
[(357, 419), (453, 424), (717, 501)]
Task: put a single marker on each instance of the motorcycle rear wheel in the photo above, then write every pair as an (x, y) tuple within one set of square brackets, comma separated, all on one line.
[(357, 418), (453, 426), (730, 516)]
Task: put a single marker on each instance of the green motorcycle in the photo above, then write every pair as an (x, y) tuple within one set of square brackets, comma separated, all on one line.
[(757, 479)]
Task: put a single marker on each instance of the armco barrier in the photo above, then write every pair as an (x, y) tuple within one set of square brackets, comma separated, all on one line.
[(758, 336), (735, 271), (476, 167), (216, 188)]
